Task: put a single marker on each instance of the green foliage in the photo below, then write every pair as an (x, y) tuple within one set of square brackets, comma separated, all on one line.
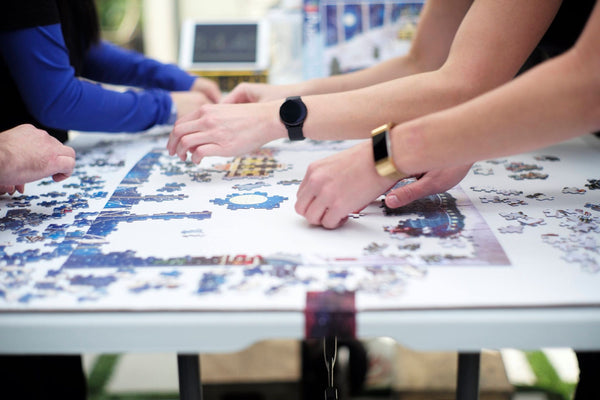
[(100, 375), (111, 13), (547, 379)]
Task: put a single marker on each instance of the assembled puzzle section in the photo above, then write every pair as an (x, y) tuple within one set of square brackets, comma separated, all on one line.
[(135, 228)]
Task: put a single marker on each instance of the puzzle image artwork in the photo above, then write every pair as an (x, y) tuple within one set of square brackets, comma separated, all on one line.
[(137, 228)]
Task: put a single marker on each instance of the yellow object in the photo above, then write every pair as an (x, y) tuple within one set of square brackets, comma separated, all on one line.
[(382, 153), (227, 80)]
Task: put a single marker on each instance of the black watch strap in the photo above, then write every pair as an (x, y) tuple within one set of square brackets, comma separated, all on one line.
[(295, 132)]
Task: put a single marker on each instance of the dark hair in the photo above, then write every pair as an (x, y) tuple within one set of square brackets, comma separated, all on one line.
[(80, 27)]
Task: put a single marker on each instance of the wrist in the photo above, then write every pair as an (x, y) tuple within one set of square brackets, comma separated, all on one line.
[(293, 113), (382, 153), (173, 114), (279, 130)]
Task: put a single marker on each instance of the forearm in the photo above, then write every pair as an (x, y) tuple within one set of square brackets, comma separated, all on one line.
[(352, 115), (385, 71), (533, 111), (38, 61), (429, 49), (88, 107), (108, 63), (473, 66)]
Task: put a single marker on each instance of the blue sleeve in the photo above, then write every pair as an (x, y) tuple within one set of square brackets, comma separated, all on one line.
[(108, 63), (38, 61)]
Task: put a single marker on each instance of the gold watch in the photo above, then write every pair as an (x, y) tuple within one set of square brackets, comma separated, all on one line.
[(382, 153)]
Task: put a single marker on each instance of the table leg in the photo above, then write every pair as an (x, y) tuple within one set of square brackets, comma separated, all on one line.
[(189, 377), (467, 383)]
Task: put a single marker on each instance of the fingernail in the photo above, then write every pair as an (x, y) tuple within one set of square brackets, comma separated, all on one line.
[(392, 201)]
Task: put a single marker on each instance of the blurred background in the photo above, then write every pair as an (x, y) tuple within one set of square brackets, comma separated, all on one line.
[(307, 38), (153, 26)]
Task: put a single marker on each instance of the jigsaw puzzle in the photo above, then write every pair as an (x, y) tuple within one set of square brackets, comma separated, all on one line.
[(134, 228)]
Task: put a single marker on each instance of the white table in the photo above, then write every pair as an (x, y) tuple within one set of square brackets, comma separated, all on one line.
[(529, 289)]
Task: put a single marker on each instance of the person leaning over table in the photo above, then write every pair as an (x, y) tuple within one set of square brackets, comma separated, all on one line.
[(555, 101), (28, 154), (462, 48), (51, 57)]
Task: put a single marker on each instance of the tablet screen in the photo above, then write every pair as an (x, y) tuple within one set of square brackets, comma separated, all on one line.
[(225, 43)]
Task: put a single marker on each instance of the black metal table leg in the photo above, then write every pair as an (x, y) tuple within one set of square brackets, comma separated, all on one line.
[(190, 387), (467, 383)]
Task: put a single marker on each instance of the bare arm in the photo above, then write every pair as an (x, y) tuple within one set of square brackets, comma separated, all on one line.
[(557, 100), (493, 41), (438, 23), (553, 102)]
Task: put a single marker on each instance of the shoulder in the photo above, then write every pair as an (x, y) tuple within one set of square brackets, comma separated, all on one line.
[(28, 13)]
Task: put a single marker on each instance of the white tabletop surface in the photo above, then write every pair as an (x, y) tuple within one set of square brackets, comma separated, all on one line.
[(522, 270)]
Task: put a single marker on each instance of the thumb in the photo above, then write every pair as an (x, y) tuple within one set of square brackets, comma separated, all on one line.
[(406, 194), (234, 97), (213, 93), (62, 168)]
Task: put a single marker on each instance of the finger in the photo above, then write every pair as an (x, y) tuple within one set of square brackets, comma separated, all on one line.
[(191, 116), (333, 219), (171, 144), (6, 189), (175, 136), (59, 177), (63, 166), (181, 130), (229, 99), (236, 96), (408, 193), (189, 142), (207, 87), (212, 92), (68, 152), (315, 211), (20, 188), (303, 199), (208, 149)]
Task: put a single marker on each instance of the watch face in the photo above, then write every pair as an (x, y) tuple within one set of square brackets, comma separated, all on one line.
[(380, 146), (292, 111)]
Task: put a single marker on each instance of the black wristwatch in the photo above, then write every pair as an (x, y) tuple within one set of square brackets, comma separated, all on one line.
[(382, 153), (293, 113)]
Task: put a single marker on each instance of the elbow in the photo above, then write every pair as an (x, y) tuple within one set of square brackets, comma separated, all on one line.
[(465, 81), (421, 61)]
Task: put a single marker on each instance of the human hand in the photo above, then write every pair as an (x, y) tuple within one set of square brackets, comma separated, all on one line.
[(10, 189), (187, 102), (340, 184), (225, 130), (256, 92), (208, 87), (432, 182), (28, 154)]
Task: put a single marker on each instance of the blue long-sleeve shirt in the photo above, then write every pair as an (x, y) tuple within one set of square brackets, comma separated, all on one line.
[(38, 62)]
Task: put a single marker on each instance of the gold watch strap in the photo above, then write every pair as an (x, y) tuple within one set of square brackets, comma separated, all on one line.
[(383, 162)]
